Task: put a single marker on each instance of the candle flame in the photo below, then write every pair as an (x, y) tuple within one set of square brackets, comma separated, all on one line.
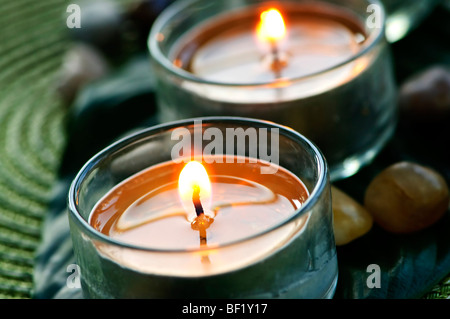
[(271, 26), (194, 176)]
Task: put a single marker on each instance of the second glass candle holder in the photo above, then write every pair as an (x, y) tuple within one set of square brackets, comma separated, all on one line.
[(329, 76)]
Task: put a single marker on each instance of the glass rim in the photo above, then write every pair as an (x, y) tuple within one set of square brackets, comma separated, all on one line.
[(311, 201), (179, 6)]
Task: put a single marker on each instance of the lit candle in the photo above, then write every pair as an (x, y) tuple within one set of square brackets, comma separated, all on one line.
[(272, 29), (313, 66), (246, 50), (239, 203), (146, 225)]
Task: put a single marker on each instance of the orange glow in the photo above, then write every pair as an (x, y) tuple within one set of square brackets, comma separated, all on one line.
[(178, 63), (194, 175), (271, 26)]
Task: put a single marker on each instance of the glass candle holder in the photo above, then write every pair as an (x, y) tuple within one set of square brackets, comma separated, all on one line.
[(294, 257), (344, 104), (404, 15)]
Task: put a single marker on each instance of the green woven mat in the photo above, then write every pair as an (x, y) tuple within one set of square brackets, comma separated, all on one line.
[(33, 39), (31, 132), (441, 291), (32, 136)]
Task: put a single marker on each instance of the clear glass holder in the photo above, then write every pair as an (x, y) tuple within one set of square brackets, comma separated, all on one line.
[(349, 120), (305, 266)]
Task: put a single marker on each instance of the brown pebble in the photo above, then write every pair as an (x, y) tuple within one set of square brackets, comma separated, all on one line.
[(426, 96), (350, 219), (407, 197)]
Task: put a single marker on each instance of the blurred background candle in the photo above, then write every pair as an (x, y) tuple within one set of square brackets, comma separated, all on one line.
[(135, 222), (243, 48), (328, 76)]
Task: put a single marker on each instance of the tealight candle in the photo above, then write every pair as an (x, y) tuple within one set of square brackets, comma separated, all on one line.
[(231, 50), (144, 210), (316, 67), (145, 225)]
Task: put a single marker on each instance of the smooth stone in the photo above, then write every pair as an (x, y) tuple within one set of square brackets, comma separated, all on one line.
[(426, 96), (407, 197), (350, 219), (81, 65)]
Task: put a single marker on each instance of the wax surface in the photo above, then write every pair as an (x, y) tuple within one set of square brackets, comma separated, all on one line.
[(146, 210), (227, 50)]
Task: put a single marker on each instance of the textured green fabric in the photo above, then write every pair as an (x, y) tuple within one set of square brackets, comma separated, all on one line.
[(33, 40), (31, 132), (440, 291)]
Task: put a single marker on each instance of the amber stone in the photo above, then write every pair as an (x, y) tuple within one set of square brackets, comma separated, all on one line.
[(350, 219), (407, 197)]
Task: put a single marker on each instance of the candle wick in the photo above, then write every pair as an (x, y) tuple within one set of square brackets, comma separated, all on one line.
[(202, 222), (203, 240), (276, 59), (277, 63), (196, 199)]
